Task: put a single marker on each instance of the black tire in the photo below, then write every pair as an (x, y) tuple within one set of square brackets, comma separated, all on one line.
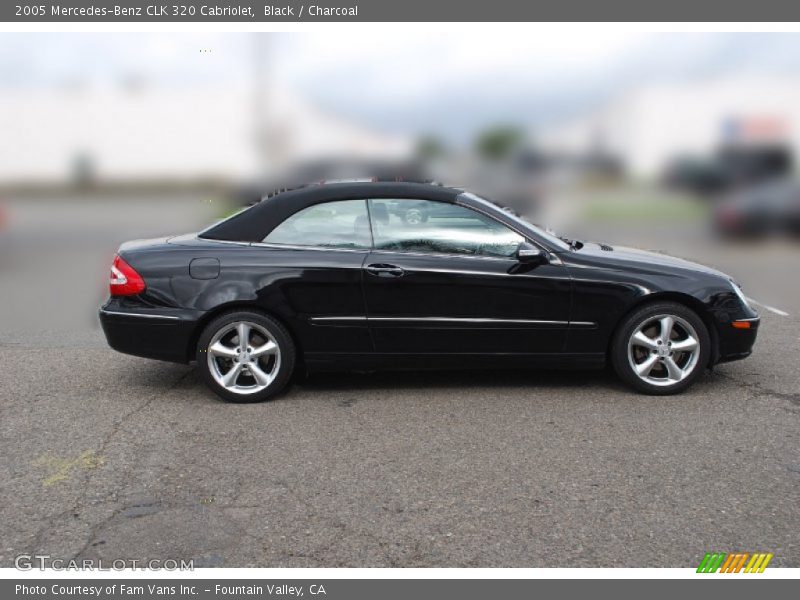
[(621, 359), (283, 361)]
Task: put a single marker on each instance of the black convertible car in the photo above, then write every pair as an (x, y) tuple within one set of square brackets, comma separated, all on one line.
[(333, 276)]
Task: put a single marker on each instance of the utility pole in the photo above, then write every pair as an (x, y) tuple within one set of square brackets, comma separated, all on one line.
[(270, 143)]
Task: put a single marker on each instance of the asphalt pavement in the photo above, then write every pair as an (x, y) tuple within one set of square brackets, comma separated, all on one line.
[(108, 456)]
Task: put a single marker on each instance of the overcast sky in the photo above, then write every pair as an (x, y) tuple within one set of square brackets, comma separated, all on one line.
[(447, 83)]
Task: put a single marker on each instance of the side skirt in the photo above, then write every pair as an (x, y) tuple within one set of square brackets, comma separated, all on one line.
[(337, 362)]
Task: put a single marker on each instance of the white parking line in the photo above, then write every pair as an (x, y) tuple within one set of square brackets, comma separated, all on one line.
[(771, 309)]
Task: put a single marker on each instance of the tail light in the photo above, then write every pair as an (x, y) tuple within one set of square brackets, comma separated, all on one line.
[(125, 281)]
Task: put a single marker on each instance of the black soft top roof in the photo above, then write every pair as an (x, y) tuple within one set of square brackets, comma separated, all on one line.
[(254, 224)]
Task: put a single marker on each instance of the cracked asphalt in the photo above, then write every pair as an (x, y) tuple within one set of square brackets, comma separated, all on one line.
[(110, 456)]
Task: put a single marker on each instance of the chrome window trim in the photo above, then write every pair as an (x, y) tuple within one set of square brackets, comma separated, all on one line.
[(444, 255), (553, 258), (275, 246), (483, 273), (139, 315)]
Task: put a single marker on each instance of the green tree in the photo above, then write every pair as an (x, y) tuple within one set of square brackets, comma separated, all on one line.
[(497, 143), (430, 148)]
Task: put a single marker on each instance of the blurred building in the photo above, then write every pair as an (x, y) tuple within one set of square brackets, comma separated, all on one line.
[(136, 133), (648, 127)]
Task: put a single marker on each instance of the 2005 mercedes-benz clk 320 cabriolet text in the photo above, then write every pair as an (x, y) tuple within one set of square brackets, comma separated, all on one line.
[(404, 275)]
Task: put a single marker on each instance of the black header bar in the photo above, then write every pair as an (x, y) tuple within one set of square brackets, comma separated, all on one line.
[(398, 11)]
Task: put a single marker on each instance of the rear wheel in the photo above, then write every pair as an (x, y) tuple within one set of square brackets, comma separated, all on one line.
[(661, 348), (245, 356)]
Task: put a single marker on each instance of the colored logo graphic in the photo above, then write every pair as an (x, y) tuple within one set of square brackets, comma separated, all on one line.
[(734, 563)]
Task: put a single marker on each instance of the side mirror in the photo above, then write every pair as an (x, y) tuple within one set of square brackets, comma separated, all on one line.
[(528, 254)]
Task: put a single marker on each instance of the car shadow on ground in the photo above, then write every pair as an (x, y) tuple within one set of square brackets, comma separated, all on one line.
[(454, 378), (603, 381), (445, 379)]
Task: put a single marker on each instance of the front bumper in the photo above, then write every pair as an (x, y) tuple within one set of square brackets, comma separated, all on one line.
[(735, 341), (158, 333)]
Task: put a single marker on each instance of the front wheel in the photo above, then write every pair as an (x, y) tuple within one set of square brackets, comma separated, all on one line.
[(661, 348), (245, 356)]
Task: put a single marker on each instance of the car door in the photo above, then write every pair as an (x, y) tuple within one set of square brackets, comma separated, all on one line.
[(310, 271), (453, 284)]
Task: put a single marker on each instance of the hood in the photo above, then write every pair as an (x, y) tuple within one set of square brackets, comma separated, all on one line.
[(643, 258)]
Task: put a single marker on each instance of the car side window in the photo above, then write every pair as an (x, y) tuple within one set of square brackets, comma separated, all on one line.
[(424, 226), (340, 224)]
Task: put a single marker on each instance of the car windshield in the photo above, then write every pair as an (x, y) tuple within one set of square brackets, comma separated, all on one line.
[(547, 235)]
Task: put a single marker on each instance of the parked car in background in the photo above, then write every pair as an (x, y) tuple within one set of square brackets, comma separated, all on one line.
[(730, 168), (769, 209)]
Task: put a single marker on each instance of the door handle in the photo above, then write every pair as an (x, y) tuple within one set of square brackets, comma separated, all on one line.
[(381, 270)]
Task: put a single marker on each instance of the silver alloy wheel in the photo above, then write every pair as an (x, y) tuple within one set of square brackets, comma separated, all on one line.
[(243, 357), (663, 350)]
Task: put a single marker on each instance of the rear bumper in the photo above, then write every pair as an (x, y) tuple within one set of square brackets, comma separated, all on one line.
[(737, 343), (162, 333)]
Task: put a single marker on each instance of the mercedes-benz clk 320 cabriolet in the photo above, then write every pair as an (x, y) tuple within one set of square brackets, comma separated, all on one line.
[(337, 276)]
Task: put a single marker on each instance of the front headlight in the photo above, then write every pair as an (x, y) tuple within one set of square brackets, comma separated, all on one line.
[(738, 291)]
